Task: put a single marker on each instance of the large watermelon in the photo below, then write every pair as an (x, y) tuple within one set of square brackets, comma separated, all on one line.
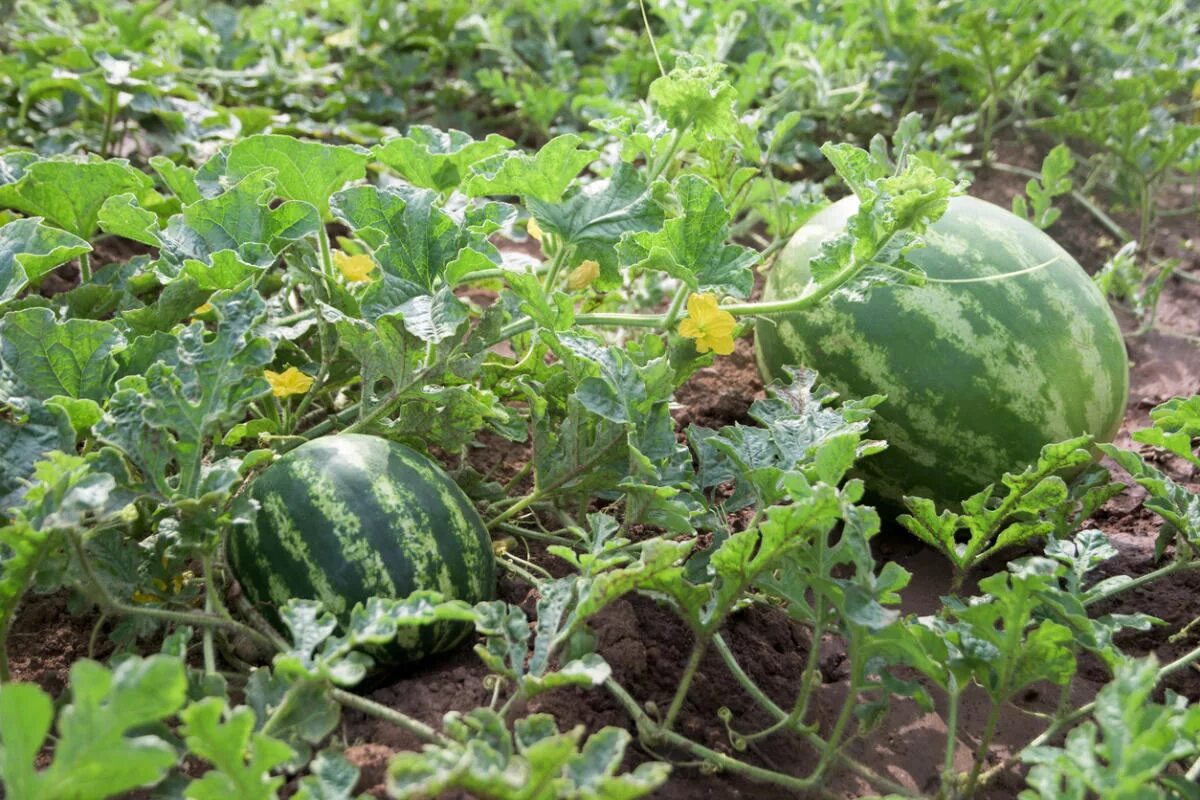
[(978, 375), (343, 518)]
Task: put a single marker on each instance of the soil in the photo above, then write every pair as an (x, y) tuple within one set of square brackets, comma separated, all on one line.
[(647, 647)]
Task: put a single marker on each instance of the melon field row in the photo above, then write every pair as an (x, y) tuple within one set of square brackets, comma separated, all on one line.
[(599, 400)]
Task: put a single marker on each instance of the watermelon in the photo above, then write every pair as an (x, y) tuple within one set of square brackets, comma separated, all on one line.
[(979, 375), (347, 517)]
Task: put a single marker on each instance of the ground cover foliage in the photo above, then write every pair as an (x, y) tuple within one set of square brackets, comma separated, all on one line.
[(228, 229)]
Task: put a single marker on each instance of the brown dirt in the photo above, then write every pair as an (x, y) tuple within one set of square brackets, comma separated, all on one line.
[(647, 647)]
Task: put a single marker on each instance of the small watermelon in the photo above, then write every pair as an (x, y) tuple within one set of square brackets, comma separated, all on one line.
[(978, 375), (347, 517)]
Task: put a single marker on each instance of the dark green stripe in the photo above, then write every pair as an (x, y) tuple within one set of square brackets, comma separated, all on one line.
[(436, 512)]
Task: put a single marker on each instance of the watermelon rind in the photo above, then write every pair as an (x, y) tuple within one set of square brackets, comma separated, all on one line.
[(347, 517), (979, 375)]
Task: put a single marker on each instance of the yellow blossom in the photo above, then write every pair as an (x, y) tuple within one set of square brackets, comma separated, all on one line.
[(711, 327), (289, 382), (353, 268), (534, 229), (582, 276), (203, 308)]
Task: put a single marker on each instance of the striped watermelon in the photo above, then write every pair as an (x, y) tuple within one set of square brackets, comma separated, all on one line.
[(978, 376), (343, 518)]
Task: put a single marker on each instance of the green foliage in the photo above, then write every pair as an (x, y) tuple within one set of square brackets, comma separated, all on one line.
[(1138, 287), (101, 749), (1033, 504), (1054, 181), (69, 193), (535, 760), (1126, 749), (242, 760), (29, 250), (135, 406)]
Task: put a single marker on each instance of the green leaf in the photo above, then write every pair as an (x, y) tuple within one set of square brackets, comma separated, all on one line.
[(29, 250), (181, 180), (692, 246), (1054, 181), (596, 217), (191, 391), (27, 433), (1126, 750), (384, 350), (696, 99), (83, 413), (72, 358), (318, 654), (240, 220), (102, 749), (437, 159), (309, 172), (543, 176), (242, 760), (70, 193), (1175, 503), (25, 716), (121, 215), (331, 777), (533, 762), (1033, 503), (1176, 423), (417, 241), (433, 318), (301, 712)]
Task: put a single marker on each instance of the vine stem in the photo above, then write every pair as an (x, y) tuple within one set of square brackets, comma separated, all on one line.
[(685, 682), (110, 116), (111, 605), (767, 308), (536, 536), (953, 696), (747, 683), (85, 268), (210, 658), (1141, 580), (651, 731), (400, 720), (1182, 662), (676, 306), (540, 492)]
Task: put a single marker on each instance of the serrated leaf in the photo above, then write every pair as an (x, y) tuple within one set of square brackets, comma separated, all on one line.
[(70, 193), (418, 240), (191, 391), (29, 250), (437, 159), (121, 215), (433, 318), (100, 751), (543, 176), (242, 760), (696, 99), (72, 358), (26, 436), (308, 172), (239, 219), (331, 777), (693, 246)]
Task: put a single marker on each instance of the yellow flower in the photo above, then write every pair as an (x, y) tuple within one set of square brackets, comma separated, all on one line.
[(711, 327), (534, 229), (582, 276), (203, 308), (353, 268), (289, 382)]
